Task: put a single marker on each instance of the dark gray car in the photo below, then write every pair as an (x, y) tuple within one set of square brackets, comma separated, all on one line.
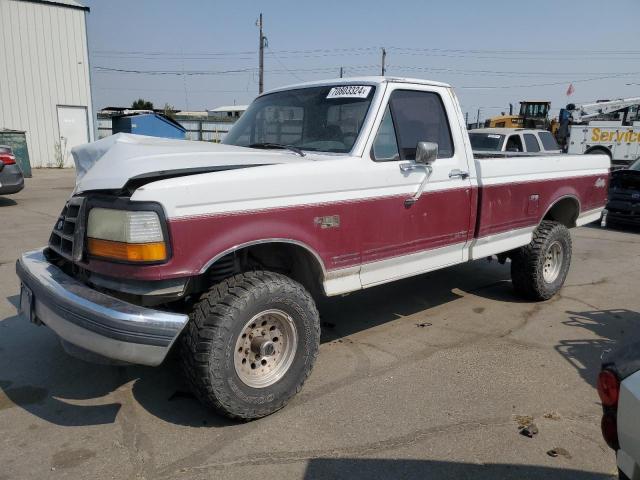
[(11, 178)]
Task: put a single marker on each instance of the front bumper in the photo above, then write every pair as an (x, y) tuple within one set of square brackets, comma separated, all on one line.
[(93, 320)]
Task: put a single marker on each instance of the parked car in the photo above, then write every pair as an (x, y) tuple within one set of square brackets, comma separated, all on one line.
[(319, 189), (623, 205), (514, 140), (619, 391), (11, 178)]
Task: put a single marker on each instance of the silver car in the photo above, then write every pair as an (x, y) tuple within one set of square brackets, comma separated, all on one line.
[(520, 140), (11, 178)]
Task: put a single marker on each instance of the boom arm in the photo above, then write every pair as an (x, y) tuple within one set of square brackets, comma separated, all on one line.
[(589, 110)]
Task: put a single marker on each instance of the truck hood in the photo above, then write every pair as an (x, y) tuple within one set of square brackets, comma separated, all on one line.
[(111, 163)]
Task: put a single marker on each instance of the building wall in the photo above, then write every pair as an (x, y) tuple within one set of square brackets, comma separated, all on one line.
[(43, 63)]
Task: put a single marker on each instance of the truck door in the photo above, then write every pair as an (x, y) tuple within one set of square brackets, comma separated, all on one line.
[(431, 233)]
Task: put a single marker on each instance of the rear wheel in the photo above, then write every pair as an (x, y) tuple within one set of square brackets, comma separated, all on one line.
[(250, 344), (538, 270)]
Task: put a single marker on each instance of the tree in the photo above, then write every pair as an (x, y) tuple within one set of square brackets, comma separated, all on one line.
[(142, 104), (169, 111)]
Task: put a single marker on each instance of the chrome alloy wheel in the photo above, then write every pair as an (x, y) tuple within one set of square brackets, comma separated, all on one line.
[(552, 262), (265, 348)]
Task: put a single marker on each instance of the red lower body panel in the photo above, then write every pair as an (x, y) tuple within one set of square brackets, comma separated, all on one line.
[(369, 230)]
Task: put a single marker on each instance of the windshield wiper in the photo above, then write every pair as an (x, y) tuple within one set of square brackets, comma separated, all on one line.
[(267, 145)]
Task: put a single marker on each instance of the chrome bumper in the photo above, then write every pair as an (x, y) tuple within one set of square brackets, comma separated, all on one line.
[(93, 320)]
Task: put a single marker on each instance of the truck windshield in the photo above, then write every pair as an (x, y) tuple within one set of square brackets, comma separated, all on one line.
[(486, 141), (319, 119)]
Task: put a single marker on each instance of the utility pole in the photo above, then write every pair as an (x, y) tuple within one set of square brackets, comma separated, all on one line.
[(261, 67), (466, 119), (341, 71), (478, 119), (384, 58)]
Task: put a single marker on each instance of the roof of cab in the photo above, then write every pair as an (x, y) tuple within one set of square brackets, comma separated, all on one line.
[(372, 80), (505, 131)]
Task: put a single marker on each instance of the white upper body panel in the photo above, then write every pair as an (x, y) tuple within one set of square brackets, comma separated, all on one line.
[(500, 170), (280, 178)]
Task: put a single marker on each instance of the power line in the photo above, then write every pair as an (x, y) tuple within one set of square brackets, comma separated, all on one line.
[(293, 74), (147, 89), (588, 53), (173, 72), (291, 71), (492, 87)]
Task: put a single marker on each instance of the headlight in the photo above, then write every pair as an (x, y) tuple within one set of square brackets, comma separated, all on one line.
[(133, 236)]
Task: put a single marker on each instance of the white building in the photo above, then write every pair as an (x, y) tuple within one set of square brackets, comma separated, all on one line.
[(227, 113), (44, 77)]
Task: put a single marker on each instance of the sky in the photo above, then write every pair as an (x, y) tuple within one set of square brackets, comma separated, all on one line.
[(204, 53)]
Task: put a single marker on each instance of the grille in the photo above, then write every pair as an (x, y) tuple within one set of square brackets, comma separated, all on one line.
[(67, 237)]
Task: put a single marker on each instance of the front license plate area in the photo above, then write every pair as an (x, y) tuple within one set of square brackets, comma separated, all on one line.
[(26, 303)]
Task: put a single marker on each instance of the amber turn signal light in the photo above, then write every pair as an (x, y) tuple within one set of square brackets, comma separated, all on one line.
[(129, 252)]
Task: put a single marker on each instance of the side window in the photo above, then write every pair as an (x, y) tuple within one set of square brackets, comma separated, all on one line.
[(548, 142), (385, 147), (531, 142), (420, 117), (514, 144)]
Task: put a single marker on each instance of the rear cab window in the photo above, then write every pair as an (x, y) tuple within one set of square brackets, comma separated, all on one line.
[(486, 141)]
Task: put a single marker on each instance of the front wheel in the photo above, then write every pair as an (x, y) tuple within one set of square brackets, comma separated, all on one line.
[(538, 270), (250, 344)]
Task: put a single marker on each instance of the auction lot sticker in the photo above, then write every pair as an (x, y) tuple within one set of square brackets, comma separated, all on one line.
[(349, 91)]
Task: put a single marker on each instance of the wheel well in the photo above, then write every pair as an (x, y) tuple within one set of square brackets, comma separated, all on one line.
[(604, 150), (293, 260), (564, 211)]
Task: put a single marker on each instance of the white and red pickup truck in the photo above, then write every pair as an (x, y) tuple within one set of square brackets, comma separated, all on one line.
[(319, 189)]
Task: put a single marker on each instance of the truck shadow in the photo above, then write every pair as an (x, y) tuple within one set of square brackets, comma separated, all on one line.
[(614, 328), (375, 468), (38, 376), (364, 309), (618, 227)]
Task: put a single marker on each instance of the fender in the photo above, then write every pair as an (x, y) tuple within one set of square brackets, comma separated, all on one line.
[(238, 247), (568, 222), (334, 282)]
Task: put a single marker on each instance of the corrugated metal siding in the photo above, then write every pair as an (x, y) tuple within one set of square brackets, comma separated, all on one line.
[(45, 63)]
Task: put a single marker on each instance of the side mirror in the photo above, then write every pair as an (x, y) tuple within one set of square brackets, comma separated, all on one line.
[(426, 153)]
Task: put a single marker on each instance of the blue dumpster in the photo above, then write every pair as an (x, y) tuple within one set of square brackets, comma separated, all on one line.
[(153, 124)]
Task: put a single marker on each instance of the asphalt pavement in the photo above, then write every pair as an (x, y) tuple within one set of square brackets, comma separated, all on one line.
[(427, 377)]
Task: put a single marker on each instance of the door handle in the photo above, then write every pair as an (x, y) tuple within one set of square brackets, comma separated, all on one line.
[(456, 172), (409, 167)]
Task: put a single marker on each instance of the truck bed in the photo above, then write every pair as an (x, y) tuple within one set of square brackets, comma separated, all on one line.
[(515, 192)]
